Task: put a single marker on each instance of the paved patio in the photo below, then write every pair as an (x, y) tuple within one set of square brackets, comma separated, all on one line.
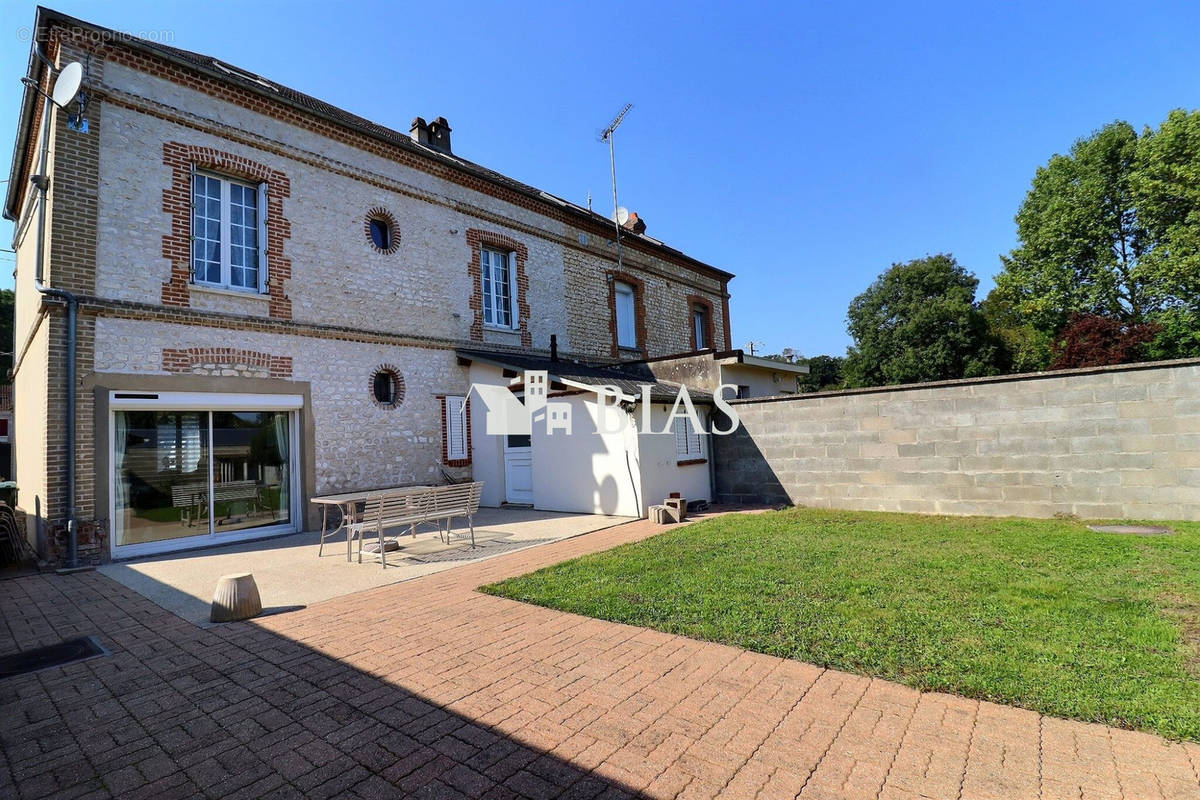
[(430, 689), (289, 573)]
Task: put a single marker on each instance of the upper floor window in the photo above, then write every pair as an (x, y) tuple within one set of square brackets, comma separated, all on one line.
[(626, 309), (497, 277), (700, 327), (228, 233)]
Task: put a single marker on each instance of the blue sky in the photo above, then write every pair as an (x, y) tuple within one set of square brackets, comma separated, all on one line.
[(804, 147)]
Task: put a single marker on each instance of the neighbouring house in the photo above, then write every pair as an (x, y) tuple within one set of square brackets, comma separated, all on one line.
[(276, 299)]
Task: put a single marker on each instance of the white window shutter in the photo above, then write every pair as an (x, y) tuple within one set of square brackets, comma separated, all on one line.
[(681, 437), (262, 238), (192, 227), (512, 290), (456, 428)]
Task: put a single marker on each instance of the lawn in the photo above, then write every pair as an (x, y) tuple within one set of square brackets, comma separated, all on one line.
[(1042, 614)]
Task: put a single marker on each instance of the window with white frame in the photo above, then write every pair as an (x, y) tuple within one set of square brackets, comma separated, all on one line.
[(626, 308), (456, 428), (700, 326), (498, 290), (228, 233), (689, 444)]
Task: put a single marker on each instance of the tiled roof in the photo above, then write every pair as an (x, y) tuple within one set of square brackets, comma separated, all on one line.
[(245, 79), (628, 378)]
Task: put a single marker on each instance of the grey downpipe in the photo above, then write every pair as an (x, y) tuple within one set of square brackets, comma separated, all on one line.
[(42, 183)]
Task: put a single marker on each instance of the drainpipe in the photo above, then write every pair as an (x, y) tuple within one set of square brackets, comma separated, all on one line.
[(42, 182)]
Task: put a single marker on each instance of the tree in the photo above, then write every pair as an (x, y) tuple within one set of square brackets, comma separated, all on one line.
[(1081, 240), (1111, 229), (1090, 340), (1025, 347), (1167, 187), (824, 372), (919, 322)]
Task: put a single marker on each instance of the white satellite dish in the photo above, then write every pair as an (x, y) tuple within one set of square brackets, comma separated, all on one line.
[(67, 85), (622, 215)]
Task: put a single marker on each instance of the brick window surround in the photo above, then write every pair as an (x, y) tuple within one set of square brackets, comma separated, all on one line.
[(381, 214), (455, 462), (397, 378), (177, 202), (695, 301), (639, 310), (477, 239), (187, 360)]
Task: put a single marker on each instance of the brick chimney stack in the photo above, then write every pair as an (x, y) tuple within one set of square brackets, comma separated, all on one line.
[(439, 135), (419, 131), (635, 223)]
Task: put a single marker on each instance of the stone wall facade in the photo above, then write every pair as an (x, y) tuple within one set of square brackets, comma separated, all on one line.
[(1112, 443), (334, 307)]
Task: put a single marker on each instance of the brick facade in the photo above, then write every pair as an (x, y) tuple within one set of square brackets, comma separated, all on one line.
[(225, 361), (120, 237)]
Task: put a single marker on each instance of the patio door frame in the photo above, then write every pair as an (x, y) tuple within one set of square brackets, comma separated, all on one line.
[(132, 400)]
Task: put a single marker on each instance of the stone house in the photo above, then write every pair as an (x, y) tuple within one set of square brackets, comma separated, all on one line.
[(272, 298)]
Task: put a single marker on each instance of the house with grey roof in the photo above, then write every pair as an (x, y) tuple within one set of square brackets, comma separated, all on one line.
[(233, 297)]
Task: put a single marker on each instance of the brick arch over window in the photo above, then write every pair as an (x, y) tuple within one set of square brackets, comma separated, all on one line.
[(639, 309), (210, 360), (177, 202), (710, 326), (476, 239)]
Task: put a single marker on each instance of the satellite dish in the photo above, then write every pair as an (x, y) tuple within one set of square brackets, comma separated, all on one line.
[(622, 215), (67, 85)]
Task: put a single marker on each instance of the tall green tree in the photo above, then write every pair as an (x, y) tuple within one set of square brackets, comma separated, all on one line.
[(1081, 239), (1167, 187), (919, 322), (1111, 229)]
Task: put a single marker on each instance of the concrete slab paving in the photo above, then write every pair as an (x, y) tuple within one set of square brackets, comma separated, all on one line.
[(289, 573)]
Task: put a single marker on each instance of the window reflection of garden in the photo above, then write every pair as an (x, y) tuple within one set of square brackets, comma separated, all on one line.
[(162, 471)]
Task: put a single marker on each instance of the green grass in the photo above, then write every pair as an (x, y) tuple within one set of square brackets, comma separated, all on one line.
[(1042, 614)]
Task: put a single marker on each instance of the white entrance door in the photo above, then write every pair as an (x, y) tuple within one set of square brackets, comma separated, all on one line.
[(518, 469)]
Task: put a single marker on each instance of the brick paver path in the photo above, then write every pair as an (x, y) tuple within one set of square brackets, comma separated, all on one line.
[(429, 689)]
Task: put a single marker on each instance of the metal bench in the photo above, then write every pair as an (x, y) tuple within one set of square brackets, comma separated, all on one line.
[(413, 506), (193, 497)]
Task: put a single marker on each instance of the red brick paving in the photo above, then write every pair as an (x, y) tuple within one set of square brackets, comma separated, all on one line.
[(430, 689)]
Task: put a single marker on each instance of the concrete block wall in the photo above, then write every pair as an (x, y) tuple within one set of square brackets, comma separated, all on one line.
[(1115, 442)]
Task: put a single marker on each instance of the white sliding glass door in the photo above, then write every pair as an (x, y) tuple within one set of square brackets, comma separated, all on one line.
[(191, 470)]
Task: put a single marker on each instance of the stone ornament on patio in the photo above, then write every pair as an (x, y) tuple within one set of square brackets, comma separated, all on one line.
[(236, 598)]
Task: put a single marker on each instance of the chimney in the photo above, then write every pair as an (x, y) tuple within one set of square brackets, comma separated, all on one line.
[(554, 347), (635, 223), (439, 135), (419, 131)]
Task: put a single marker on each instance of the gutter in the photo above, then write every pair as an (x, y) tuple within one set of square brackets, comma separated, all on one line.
[(41, 183)]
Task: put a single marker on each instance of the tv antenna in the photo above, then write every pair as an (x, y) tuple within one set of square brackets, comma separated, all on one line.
[(608, 135)]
